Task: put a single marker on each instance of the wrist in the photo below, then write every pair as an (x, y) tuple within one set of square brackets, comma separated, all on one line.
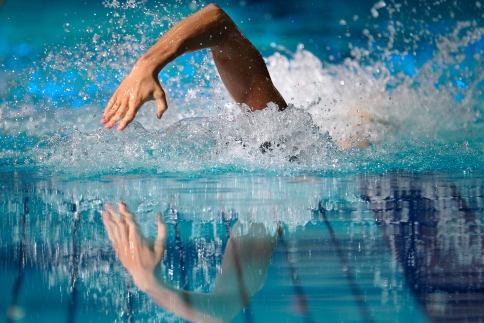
[(147, 283), (155, 60), (147, 64)]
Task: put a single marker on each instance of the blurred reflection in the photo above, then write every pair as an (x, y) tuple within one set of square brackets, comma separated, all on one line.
[(381, 239), (243, 271), (437, 237)]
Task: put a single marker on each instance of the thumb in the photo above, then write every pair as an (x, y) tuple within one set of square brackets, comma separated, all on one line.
[(160, 99), (159, 246), (161, 227)]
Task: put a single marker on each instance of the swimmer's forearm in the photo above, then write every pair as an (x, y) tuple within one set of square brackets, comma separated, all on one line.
[(192, 306), (206, 28), (240, 66), (169, 298)]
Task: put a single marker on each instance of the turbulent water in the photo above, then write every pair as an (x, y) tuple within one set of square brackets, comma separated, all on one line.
[(414, 94), (405, 78)]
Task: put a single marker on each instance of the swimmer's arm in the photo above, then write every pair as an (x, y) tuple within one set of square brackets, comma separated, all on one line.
[(191, 306), (241, 67), (243, 272)]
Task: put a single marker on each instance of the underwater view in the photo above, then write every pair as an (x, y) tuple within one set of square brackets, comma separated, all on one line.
[(362, 201)]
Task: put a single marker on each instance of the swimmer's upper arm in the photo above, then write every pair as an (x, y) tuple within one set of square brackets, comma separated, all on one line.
[(240, 65)]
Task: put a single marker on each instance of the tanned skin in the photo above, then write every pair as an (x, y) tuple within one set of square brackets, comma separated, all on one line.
[(240, 65), (243, 271), (247, 258)]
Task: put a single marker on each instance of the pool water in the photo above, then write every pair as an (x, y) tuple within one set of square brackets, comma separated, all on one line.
[(373, 248), (265, 205)]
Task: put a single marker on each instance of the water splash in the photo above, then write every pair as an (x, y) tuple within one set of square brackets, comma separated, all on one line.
[(420, 109)]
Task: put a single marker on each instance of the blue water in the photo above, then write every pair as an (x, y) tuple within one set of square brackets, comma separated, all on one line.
[(407, 80), (391, 232), (365, 248)]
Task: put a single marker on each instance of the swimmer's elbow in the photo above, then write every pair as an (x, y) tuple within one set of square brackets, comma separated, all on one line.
[(214, 7), (217, 12)]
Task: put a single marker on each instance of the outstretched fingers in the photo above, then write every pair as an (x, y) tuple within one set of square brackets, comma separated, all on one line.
[(115, 226), (118, 115), (129, 218), (135, 90), (127, 119), (111, 109), (124, 112), (134, 106), (109, 225)]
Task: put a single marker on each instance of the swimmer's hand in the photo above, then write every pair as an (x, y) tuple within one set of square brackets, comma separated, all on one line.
[(140, 256), (140, 86), (240, 65)]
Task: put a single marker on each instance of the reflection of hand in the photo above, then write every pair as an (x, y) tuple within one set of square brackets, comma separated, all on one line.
[(140, 256), (140, 86)]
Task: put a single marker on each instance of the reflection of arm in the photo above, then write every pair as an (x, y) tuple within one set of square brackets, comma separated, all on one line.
[(243, 272)]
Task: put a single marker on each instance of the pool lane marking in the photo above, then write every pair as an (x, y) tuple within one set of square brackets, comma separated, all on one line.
[(301, 295), (357, 294)]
